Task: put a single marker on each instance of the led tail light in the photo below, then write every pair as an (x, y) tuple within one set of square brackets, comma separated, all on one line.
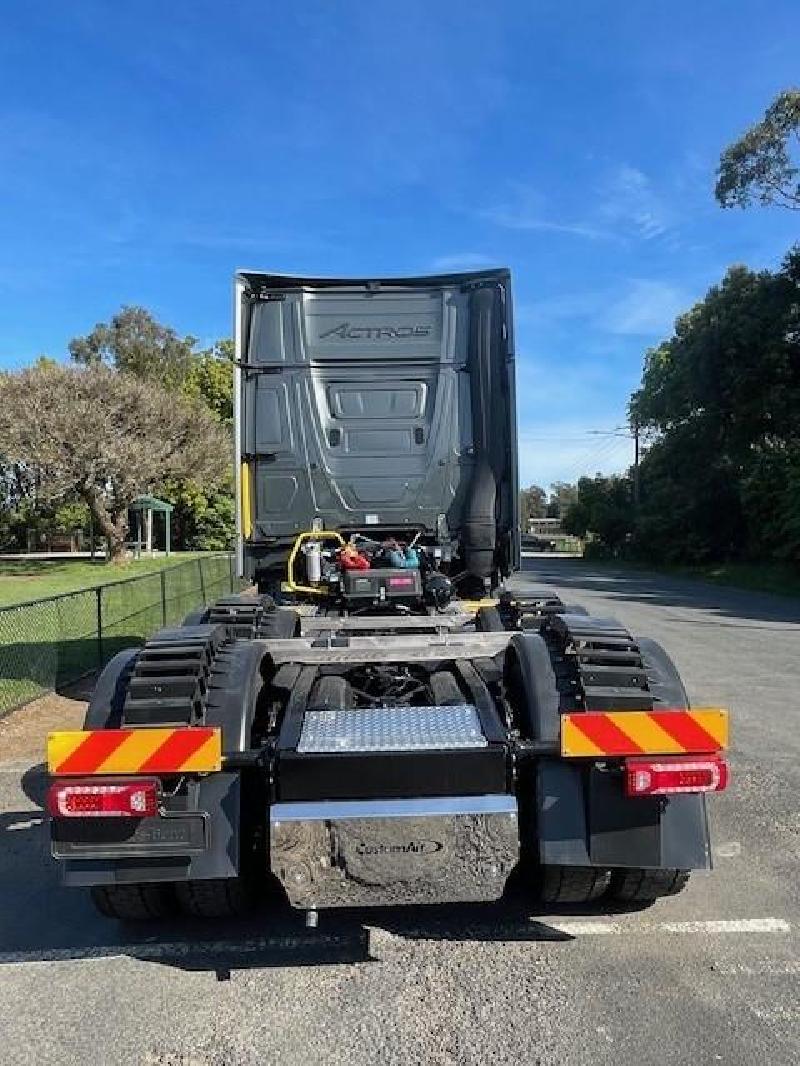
[(663, 777), (103, 799)]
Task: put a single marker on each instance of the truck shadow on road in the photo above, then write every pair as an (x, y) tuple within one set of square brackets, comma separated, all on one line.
[(628, 585), (40, 920)]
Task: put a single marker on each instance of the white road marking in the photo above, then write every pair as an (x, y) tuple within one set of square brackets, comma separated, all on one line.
[(729, 850), (546, 931), (760, 968), (582, 928), (736, 925), (29, 824)]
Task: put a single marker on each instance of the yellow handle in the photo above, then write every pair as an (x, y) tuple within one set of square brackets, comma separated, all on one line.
[(246, 501)]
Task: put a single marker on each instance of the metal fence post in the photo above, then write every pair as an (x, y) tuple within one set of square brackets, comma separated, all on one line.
[(202, 581), (99, 598), (163, 598), (230, 571)]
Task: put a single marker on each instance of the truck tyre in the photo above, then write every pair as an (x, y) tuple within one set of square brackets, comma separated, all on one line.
[(133, 903), (573, 884), (214, 898), (280, 624), (644, 886)]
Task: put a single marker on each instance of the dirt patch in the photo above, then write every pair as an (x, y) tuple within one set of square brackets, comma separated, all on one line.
[(23, 733)]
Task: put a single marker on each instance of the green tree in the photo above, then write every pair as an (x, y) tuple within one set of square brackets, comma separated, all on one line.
[(602, 511), (210, 378), (562, 496), (720, 399), (532, 504), (134, 341), (205, 516), (763, 164), (104, 437)]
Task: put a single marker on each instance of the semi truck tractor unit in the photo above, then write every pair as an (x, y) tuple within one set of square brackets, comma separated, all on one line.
[(377, 719)]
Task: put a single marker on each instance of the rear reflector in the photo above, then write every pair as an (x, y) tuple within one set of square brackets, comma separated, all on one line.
[(594, 734), (150, 750), (117, 799), (647, 777)]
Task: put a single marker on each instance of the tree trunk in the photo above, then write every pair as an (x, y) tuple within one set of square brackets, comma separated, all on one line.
[(114, 526)]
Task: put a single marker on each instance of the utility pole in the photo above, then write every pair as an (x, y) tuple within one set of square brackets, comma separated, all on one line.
[(633, 432), (636, 463)]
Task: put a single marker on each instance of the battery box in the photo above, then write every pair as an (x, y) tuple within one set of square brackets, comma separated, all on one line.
[(376, 586)]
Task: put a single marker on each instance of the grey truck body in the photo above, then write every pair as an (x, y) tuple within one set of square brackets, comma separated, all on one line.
[(379, 733), (378, 403)]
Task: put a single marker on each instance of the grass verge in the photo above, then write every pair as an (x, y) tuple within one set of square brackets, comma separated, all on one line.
[(777, 578), (32, 579), (48, 643)]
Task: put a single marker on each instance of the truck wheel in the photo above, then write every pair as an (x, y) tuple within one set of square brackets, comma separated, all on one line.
[(133, 903), (216, 898), (644, 886), (573, 884)]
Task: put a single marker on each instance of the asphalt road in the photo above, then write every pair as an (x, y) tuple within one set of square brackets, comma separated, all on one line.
[(710, 976)]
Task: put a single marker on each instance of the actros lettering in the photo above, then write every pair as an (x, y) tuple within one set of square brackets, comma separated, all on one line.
[(349, 332)]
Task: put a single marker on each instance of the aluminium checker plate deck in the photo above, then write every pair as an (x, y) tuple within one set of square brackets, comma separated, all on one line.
[(383, 729)]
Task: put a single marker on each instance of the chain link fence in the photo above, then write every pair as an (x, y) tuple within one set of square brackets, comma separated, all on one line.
[(49, 642)]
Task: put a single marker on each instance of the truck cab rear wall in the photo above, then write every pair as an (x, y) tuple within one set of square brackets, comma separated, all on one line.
[(369, 403)]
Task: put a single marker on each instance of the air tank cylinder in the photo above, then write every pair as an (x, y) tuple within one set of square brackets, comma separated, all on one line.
[(314, 561)]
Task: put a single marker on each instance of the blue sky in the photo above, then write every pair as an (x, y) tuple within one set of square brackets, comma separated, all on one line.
[(148, 149)]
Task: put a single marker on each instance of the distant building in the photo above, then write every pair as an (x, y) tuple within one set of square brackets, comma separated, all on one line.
[(545, 527)]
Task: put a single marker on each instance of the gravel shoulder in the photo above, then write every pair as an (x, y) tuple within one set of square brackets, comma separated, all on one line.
[(23, 733)]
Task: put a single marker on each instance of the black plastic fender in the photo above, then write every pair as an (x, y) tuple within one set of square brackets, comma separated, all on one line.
[(233, 693), (530, 677), (231, 704), (583, 817), (663, 678), (575, 608), (108, 696), (281, 623), (489, 620)]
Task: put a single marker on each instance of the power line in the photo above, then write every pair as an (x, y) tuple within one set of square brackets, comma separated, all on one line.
[(591, 460), (558, 438)]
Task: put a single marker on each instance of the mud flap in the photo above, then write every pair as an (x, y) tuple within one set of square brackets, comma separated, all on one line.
[(167, 850), (584, 819)]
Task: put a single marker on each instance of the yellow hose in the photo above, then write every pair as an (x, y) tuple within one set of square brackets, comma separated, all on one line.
[(310, 534)]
